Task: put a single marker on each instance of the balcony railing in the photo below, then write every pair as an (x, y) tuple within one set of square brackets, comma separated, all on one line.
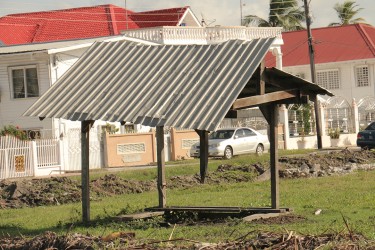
[(203, 35)]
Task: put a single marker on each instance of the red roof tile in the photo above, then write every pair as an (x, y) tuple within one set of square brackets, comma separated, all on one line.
[(24, 32), (331, 44), (165, 17), (76, 23)]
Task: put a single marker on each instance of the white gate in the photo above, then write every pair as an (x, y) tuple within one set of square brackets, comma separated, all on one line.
[(72, 140), (48, 156), (167, 147), (16, 158)]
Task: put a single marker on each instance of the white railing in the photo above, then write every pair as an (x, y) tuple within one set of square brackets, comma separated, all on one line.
[(48, 152), (203, 35), (16, 158), (22, 158)]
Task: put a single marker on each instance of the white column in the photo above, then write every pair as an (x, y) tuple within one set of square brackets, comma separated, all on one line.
[(284, 120), (355, 116), (61, 156), (322, 118), (34, 157), (279, 57)]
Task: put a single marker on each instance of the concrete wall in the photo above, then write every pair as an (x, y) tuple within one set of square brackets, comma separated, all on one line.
[(310, 142), (129, 149), (181, 141)]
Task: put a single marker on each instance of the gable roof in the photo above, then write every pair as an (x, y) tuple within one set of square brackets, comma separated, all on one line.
[(331, 44), (84, 22), (186, 86)]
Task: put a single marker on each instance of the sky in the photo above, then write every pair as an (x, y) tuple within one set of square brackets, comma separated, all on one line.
[(215, 12)]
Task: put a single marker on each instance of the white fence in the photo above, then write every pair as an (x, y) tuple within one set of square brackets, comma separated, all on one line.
[(16, 158), (22, 158)]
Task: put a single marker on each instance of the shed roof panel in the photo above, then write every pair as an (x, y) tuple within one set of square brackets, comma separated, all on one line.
[(189, 86)]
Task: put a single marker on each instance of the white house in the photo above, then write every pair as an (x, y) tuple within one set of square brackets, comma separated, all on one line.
[(344, 58)]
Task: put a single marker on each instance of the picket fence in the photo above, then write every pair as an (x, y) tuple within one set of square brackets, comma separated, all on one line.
[(23, 158)]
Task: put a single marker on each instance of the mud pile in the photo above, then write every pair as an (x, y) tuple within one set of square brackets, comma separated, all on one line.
[(61, 190)]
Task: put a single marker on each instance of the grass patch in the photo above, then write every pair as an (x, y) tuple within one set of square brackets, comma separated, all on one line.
[(349, 196)]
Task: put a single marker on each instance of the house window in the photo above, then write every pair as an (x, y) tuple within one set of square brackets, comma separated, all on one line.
[(362, 76), (328, 79), (24, 82)]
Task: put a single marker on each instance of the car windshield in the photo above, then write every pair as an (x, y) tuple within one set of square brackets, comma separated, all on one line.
[(371, 126), (221, 134)]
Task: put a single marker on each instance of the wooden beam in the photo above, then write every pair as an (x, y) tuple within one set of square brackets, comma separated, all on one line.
[(203, 152), (160, 154), (274, 141), (85, 172), (263, 99)]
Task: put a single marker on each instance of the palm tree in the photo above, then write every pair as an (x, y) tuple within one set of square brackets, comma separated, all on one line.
[(346, 12), (283, 13)]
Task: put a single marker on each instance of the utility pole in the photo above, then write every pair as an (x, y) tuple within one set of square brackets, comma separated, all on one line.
[(241, 12), (126, 16), (313, 74)]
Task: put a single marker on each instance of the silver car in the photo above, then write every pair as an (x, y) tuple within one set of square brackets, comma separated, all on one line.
[(233, 141)]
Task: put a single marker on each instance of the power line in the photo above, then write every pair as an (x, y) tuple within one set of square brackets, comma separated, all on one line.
[(87, 20), (97, 13)]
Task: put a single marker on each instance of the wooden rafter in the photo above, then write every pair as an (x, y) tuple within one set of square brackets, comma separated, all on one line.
[(265, 98)]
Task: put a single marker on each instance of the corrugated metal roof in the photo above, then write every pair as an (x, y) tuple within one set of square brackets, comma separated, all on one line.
[(186, 86)]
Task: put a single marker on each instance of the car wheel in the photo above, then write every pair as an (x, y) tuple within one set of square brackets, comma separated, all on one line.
[(228, 153), (259, 150)]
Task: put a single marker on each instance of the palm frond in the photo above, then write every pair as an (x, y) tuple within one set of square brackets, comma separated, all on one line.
[(346, 12), (254, 21)]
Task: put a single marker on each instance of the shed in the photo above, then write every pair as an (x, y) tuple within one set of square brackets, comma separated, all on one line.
[(184, 86)]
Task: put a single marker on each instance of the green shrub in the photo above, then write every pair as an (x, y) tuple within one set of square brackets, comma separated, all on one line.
[(334, 133), (14, 131)]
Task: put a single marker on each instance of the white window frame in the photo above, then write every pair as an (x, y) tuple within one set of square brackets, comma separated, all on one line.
[(359, 80), (24, 67), (329, 84)]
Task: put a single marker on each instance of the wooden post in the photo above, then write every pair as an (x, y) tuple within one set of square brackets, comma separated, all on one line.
[(274, 141), (203, 153), (160, 154), (85, 174)]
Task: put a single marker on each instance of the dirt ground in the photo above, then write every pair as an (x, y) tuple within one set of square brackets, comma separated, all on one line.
[(250, 241), (60, 190)]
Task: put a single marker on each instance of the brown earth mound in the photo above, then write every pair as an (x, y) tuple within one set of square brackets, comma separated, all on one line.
[(61, 190)]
